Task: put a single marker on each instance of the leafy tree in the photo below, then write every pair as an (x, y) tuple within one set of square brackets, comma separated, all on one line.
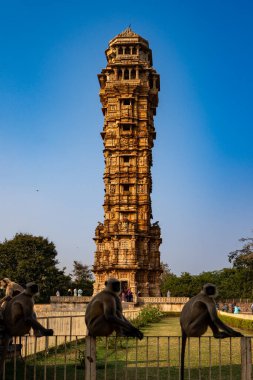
[(164, 278), (236, 282), (231, 283), (243, 258), (82, 278), (28, 258)]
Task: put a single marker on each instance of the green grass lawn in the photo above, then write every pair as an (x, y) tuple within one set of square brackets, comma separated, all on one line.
[(155, 357)]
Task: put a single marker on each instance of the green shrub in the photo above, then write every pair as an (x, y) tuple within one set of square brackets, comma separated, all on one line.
[(244, 324), (148, 314)]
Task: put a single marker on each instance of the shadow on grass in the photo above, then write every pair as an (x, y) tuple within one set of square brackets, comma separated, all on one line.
[(118, 370)]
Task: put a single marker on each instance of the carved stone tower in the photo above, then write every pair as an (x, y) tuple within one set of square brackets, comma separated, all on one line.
[(127, 244)]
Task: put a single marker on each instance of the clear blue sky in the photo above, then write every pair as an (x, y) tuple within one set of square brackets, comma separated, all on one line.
[(51, 119)]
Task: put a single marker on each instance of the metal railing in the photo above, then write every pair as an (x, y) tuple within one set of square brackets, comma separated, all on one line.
[(68, 357)]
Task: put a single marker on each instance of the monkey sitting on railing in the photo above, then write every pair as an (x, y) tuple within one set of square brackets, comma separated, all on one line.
[(198, 314), (104, 313), (19, 317)]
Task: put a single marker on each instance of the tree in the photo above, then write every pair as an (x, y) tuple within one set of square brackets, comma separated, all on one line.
[(28, 258), (243, 258), (82, 277), (165, 279)]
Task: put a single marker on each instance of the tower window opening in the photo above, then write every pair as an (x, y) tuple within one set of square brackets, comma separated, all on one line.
[(126, 188), (127, 102), (120, 74), (126, 74), (126, 159), (127, 50), (134, 50), (126, 127), (133, 74), (120, 50)]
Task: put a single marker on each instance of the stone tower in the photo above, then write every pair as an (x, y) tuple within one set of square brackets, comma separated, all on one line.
[(127, 244)]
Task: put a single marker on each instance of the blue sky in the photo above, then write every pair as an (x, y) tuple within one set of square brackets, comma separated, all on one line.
[(51, 119)]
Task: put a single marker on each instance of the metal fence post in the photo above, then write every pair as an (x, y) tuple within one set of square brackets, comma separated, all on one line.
[(246, 360), (90, 358)]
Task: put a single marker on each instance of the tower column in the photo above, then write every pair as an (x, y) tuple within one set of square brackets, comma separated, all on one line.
[(127, 243)]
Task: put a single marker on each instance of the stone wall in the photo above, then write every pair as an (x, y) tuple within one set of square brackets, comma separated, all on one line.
[(67, 326), (78, 304)]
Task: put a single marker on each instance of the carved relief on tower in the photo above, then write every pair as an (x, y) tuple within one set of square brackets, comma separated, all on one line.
[(99, 229), (124, 142), (112, 108), (113, 161), (142, 214), (154, 245), (112, 189), (124, 244), (133, 142), (124, 225), (112, 215), (141, 189), (97, 259), (110, 142)]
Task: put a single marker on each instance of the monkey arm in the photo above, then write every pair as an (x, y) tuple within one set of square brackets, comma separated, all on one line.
[(114, 315), (3, 299), (227, 329), (9, 291), (28, 317), (218, 323)]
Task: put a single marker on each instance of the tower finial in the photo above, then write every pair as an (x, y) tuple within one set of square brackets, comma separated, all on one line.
[(128, 30)]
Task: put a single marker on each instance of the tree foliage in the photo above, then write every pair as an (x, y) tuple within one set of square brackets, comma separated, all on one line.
[(82, 278), (28, 258), (236, 282), (231, 283), (243, 258)]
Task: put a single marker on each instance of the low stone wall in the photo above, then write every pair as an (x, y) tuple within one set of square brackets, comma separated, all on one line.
[(73, 304), (67, 326), (42, 308), (173, 304), (166, 300), (78, 304), (69, 323)]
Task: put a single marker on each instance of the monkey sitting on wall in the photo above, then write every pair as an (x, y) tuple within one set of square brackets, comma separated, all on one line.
[(104, 313), (197, 315)]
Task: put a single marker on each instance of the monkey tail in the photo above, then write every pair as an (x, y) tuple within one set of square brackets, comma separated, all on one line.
[(184, 338)]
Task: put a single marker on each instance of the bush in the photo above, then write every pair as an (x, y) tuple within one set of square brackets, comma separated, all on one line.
[(244, 324), (148, 314)]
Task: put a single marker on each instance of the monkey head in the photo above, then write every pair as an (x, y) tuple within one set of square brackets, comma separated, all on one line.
[(113, 285), (32, 289), (209, 290), (4, 283)]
